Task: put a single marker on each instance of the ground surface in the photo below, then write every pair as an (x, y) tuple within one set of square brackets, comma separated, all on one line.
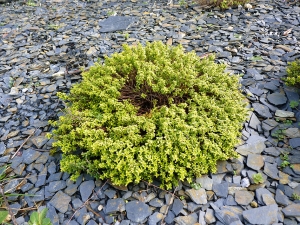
[(42, 46)]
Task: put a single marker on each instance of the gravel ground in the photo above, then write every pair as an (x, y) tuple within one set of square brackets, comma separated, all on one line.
[(43, 46)]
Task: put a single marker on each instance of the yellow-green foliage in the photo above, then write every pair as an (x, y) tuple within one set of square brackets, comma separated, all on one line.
[(293, 72), (223, 4), (150, 112)]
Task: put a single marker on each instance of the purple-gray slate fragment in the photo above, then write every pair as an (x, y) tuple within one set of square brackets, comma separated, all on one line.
[(116, 23)]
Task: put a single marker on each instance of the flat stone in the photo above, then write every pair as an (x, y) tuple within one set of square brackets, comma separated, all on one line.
[(198, 196), (137, 211), (86, 188), (254, 73), (281, 199), (271, 170), (2, 148), (41, 180), (228, 217), (155, 218), (39, 141), (221, 190), (262, 215), (243, 197), (205, 182), (170, 217), (177, 206), (259, 192), (296, 168), (292, 132), (156, 202), (60, 201), (274, 151), (29, 156), (255, 161), (292, 210), (254, 121), (116, 23), (284, 114), (283, 178), (210, 216), (110, 193), (115, 205), (201, 218), (294, 142), (55, 186), (262, 110), (268, 199), (277, 98), (191, 219), (254, 145)]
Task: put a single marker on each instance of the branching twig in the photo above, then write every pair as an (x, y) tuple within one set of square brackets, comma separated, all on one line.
[(169, 203), (85, 204), (23, 143), (8, 207)]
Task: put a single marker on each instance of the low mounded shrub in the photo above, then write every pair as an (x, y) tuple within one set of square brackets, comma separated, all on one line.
[(293, 73), (149, 113), (223, 4)]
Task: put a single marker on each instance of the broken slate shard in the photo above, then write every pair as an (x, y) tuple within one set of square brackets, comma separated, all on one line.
[(115, 23)]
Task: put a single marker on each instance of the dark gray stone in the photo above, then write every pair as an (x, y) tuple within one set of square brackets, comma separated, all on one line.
[(230, 200), (261, 191), (292, 210), (294, 142), (110, 193), (187, 220), (29, 156), (86, 188), (77, 203), (170, 217), (227, 217), (60, 201), (2, 148), (198, 196), (262, 215), (115, 205), (271, 170), (281, 199), (262, 110), (55, 186), (156, 202), (41, 179), (192, 207), (137, 211), (277, 98), (155, 218), (243, 197), (177, 206), (116, 23), (254, 145), (221, 190)]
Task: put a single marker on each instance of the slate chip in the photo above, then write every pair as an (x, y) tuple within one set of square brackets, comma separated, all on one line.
[(116, 23), (221, 190), (258, 215), (60, 201), (137, 211), (115, 205), (86, 188)]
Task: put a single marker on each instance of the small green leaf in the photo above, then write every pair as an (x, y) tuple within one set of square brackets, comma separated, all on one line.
[(34, 218), (46, 221), (3, 215), (42, 215)]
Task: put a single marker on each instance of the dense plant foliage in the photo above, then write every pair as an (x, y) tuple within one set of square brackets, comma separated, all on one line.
[(223, 4), (293, 73), (150, 112)]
